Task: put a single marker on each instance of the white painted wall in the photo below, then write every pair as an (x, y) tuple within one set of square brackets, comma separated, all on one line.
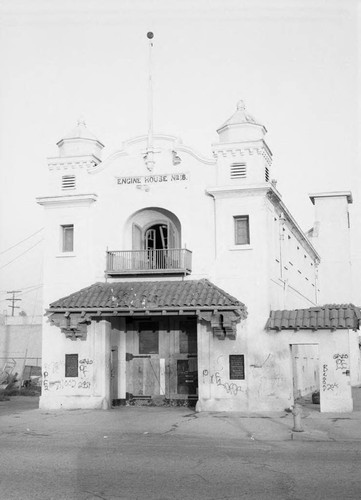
[(331, 237), (270, 272)]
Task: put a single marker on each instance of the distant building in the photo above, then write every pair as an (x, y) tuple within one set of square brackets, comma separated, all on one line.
[(171, 266), (20, 344)]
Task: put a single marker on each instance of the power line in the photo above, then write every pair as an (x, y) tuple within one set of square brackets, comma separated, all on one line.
[(26, 287), (36, 288), (13, 299), (26, 251), (22, 241)]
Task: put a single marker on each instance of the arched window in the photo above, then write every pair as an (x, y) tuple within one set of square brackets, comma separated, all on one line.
[(156, 238)]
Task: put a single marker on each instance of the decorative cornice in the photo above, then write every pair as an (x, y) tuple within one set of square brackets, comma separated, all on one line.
[(233, 149), (175, 146), (332, 194), (74, 323), (73, 162), (69, 199), (74, 326), (224, 191)]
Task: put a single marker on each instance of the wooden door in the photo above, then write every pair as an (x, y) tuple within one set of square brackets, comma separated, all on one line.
[(184, 360), (145, 369), (162, 358)]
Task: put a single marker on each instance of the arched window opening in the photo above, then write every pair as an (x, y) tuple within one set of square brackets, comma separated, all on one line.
[(152, 244)]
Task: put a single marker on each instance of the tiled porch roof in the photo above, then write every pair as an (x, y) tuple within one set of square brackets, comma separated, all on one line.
[(149, 295), (327, 317)]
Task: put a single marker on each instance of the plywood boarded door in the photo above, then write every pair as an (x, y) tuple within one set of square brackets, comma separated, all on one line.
[(145, 370)]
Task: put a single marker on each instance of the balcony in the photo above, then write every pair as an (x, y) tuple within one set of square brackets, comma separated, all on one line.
[(127, 262)]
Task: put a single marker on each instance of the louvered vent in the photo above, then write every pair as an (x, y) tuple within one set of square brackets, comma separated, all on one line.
[(68, 182), (266, 174), (238, 171)]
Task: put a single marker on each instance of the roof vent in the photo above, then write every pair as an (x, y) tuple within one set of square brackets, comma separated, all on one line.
[(68, 182), (238, 171), (266, 174)]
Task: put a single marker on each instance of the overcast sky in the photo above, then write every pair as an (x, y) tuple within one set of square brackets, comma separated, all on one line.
[(294, 63)]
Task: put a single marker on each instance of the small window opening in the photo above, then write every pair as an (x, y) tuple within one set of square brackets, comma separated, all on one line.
[(67, 238), (241, 230), (236, 367), (71, 365)]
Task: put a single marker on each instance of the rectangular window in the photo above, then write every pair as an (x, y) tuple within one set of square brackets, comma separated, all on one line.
[(67, 234), (148, 338), (241, 230), (236, 367), (71, 365)]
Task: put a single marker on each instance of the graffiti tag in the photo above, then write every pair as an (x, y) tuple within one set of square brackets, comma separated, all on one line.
[(230, 388)]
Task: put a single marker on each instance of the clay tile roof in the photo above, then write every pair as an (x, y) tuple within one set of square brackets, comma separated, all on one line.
[(329, 317), (149, 295)]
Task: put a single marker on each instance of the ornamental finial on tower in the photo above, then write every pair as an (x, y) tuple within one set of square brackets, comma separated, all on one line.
[(241, 126), (81, 121), (241, 105)]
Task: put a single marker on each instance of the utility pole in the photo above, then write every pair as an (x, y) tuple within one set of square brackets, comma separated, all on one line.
[(13, 300)]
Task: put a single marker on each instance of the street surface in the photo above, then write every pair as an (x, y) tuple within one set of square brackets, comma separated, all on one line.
[(172, 453)]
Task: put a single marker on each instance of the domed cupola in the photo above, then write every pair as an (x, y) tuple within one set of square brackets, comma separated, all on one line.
[(241, 127), (80, 142)]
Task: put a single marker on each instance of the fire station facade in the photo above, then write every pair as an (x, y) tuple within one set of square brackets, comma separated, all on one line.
[(168, 264)]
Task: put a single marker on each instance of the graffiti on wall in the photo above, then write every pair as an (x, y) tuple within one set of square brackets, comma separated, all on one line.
[(341, 361), (216, 379), (229, 387), (54, 379)]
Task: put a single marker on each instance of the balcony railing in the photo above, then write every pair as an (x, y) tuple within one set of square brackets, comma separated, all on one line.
[(172, 261)]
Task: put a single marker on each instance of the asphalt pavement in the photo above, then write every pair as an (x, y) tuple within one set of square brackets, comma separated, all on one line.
[(160, 453), (23, 412)]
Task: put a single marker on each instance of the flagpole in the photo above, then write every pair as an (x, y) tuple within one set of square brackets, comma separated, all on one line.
[(149, 160)]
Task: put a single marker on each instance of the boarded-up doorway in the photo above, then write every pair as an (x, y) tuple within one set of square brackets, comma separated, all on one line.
[(162, 358), (305, 369)]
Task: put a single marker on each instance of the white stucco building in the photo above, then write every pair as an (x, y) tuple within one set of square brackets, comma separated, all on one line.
[(162, 268)]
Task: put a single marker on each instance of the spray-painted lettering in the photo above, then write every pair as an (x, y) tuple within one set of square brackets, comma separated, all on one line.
[(230, 388), (341, 363)]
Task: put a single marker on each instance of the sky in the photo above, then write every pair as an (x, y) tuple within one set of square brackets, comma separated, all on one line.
[(294, 63)]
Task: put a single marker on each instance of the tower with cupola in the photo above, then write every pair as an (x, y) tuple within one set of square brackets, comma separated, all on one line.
[(243, 156)]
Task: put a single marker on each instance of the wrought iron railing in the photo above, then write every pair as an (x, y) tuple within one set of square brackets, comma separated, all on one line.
[(171, 261)]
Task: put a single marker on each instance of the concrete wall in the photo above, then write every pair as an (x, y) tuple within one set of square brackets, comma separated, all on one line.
[(20, 342), (331, 237), (91, 389), (335, 365)]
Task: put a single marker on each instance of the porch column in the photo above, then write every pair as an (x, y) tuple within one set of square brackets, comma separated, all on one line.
[(203, 343), (102, 366)]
